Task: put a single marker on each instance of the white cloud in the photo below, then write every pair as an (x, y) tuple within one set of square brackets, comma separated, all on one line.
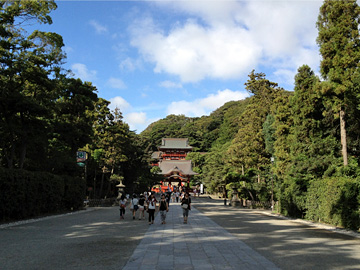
[(116, 83), (227, 39), (285, 75), (81, 71), (204, 106), (135, 118), (130, 64), (170, 84), (138, 121), (100, 29), (120, 103), (194, 52)]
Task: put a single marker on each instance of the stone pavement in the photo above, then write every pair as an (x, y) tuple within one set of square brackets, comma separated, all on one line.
[(200, 244)]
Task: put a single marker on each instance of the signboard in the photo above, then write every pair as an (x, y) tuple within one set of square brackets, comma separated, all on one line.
[(80, 156)]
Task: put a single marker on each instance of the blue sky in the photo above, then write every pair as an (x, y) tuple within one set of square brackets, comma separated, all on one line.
[(155, 58)]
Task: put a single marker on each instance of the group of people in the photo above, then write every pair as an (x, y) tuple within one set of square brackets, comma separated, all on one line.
[(150, 204)]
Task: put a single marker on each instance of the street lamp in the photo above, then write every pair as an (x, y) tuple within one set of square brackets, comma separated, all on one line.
[(272, 186)]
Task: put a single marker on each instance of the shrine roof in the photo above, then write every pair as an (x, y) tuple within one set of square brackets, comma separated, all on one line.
[(184, 167), (155, 155), (175, 143)]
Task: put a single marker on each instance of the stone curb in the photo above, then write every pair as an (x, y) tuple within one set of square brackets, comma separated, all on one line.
[(28, 221)]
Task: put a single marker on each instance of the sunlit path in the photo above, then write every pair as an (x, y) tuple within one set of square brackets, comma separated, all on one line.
[(200, 244)]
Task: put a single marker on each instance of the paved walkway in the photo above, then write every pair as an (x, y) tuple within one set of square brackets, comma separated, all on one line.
[(199, 245)]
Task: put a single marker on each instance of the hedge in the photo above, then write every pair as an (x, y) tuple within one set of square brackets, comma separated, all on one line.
[(335, 201), (25, 194)]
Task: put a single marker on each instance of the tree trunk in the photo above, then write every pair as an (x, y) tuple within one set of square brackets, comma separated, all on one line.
[(251, 195), (343, 137), (94, 184), (10, 157), (23, 151), (102, 184)]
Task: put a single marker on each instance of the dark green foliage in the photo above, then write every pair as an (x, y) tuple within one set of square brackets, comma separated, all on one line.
[(247, 149), (269, 134), (334, 201), (169, 127), (74, 192), (25, 194)]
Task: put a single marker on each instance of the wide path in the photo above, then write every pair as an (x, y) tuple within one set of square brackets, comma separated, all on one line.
[(201, 244), (216, 237)]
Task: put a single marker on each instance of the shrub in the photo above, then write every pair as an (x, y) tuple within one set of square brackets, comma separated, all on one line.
[(334, 200), (25, 194)]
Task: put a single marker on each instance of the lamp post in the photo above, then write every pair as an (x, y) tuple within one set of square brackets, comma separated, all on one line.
[(272, 186), (120, 187)]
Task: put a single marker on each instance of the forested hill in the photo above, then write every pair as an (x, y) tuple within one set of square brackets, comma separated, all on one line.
[(203, 132)]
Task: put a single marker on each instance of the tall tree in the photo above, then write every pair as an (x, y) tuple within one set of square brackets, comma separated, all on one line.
[(28, 65), (71, 121), (338, 38), (248, 147)]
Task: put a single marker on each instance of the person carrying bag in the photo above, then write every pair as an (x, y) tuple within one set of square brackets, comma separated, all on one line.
[(186, 206)]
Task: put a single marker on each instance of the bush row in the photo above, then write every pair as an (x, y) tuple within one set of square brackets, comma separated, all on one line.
[(334, 201), (25, 194)]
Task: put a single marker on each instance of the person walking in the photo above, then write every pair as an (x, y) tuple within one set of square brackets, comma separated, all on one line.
[(142, 207), (151, 208), (186, 206), (167, 197), (122, 204), (164, 208), (134, 205), (177, 195)]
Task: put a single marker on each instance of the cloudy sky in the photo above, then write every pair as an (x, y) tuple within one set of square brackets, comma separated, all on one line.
[(155, 58)]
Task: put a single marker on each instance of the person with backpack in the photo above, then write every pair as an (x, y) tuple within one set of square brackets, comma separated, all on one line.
[(134, 205)]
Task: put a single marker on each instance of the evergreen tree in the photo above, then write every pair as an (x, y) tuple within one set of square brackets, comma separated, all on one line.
[(339, 42), (29, 64), (248, 147)]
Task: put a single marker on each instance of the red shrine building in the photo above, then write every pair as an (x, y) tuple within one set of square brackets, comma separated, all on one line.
[(170, 158)]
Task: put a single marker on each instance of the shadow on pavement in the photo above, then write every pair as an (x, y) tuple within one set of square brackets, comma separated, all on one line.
[(288, 244)]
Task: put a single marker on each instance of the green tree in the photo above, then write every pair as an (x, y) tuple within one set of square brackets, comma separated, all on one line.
[(269, 132), (215, 168), (247, 149), (29, 64), (71, 122), (338, 38)]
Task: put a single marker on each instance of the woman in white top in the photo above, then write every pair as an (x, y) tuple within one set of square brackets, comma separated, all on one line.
[(151, 208)]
